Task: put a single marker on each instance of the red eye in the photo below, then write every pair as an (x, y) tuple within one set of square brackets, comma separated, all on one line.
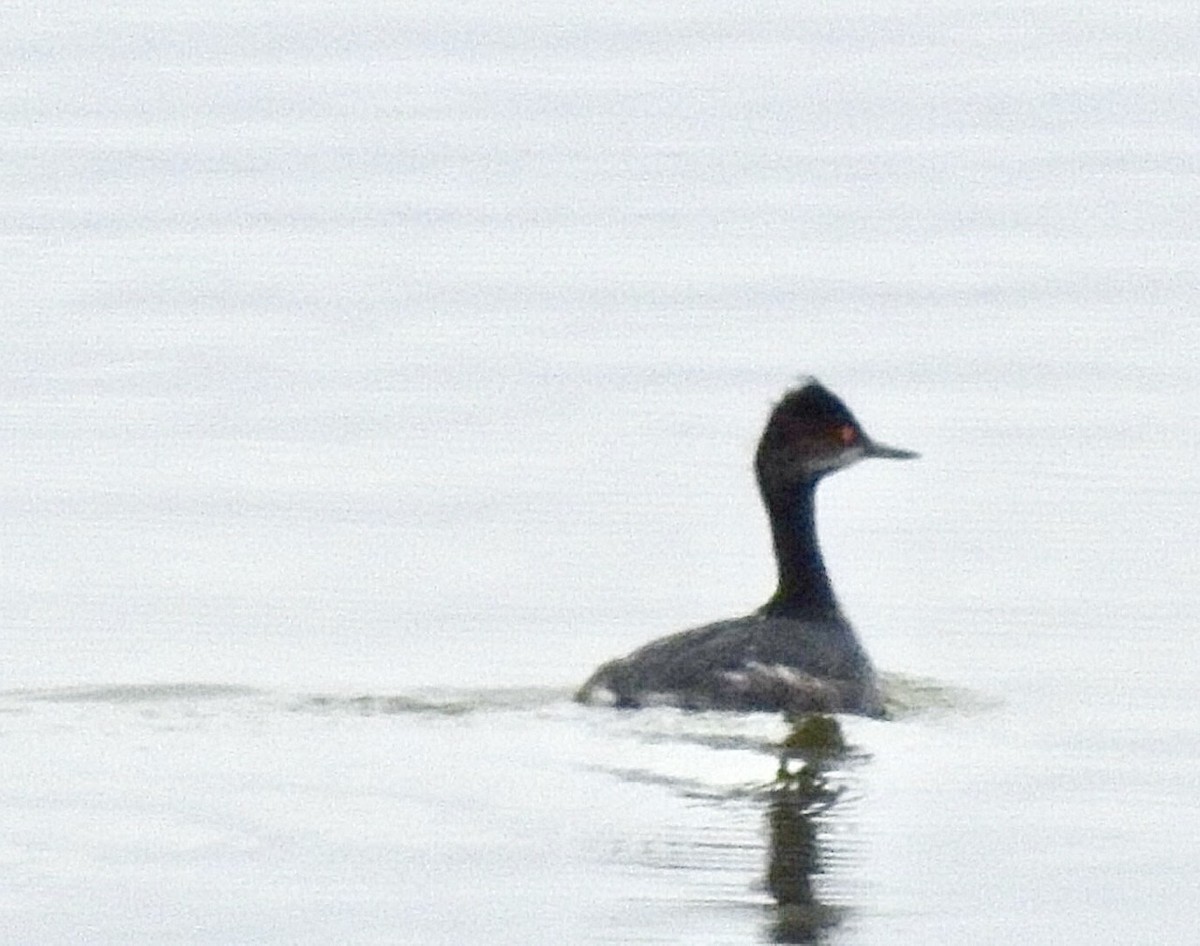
[(847, 434)]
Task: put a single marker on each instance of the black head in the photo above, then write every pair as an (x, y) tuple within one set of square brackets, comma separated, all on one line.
[(811, 433)]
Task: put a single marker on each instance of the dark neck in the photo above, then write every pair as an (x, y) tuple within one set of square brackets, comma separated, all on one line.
[(804, 590)]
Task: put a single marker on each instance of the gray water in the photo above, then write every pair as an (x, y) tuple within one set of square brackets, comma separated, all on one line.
[(369, 374)]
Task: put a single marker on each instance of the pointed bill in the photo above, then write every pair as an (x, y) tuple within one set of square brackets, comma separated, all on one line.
[(884, 452)]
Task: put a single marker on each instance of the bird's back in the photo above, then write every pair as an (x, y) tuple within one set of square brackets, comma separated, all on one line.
[(759, 662)]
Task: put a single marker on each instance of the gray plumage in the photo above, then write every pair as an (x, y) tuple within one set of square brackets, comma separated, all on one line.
[(753, 663)]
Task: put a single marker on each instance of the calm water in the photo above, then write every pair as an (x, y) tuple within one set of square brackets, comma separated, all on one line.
[(370, 375)]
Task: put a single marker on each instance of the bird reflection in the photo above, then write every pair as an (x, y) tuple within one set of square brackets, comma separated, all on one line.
[(797, 800)]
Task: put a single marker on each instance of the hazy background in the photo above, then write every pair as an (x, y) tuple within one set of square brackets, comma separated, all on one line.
[(369, 374)]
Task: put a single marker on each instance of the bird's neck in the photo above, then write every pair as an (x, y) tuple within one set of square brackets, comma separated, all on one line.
[(804, 590)]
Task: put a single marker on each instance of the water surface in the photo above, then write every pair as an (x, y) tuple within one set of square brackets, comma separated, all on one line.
[(370, 375)]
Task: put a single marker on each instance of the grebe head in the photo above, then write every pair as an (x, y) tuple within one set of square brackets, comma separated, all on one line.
[(810, 434)]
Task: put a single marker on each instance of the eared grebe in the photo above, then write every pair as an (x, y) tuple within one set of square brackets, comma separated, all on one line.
[(797, 652)]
